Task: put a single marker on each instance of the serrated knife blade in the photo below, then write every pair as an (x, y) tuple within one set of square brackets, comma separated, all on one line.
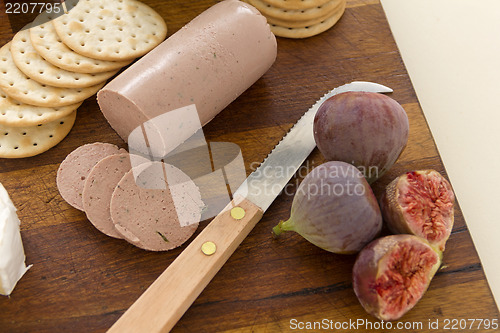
[(173, 292)]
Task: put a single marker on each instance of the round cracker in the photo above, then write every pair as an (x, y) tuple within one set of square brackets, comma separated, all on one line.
[(111, 30), (17, 142), (75, 168), (292, 15), (48, 44), (304, 23), (34, 66), (296, 4), (144, 212), (20, 87), (15, 113), (308, 31)]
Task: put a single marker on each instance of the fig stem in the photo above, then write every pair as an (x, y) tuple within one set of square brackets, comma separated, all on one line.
[(283, 226), (277, 230)]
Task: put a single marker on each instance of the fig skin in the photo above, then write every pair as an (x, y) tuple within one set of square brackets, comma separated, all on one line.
[(335, 209), (368, 130), (420, 203), (392, 273)]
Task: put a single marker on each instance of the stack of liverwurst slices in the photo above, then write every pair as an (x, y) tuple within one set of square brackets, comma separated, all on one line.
[(127, 196)]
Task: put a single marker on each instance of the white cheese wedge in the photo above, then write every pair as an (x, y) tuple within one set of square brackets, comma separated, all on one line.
[(12, 266)]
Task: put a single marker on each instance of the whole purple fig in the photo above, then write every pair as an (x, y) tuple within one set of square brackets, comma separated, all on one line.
[(368, 130), (334, 208)]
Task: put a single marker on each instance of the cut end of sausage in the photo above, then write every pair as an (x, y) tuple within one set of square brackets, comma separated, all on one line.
[(109, 101)]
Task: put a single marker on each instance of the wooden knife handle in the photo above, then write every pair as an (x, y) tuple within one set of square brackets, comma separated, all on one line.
[(173, 292)]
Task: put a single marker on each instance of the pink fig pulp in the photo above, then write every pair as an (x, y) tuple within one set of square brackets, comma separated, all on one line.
[(392, 273), (420, 203)]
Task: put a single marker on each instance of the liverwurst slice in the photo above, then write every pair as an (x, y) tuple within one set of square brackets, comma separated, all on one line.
[(150, 212), (75, 168), (207, 63), (99, 187)]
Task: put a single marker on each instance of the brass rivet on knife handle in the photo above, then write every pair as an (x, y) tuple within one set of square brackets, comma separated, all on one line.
[(208, 248), (237, 213)]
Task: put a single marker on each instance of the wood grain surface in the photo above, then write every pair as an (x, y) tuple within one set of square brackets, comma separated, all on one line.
[(82, 280)]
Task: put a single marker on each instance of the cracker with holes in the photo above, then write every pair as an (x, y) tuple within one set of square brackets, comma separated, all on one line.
[(48, 44), (17, 114), (35, 67), (307, 31), (307, 23), (17, 142), (300, 19), (296, 4), (295, 15), (20, 87), (111, 30)]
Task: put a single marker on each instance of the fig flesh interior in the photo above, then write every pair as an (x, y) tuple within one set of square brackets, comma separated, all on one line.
[(403, 278), (427, 203)]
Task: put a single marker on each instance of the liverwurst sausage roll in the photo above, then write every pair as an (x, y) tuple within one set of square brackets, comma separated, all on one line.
[(208, 63)]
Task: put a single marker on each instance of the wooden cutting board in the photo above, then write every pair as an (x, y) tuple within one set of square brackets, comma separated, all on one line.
[(82, 280)]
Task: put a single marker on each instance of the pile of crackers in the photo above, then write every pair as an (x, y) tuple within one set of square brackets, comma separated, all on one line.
[(54, 64), (300, 18)]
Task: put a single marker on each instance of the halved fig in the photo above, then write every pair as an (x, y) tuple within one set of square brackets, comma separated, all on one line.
[(420, 203), (392, 273)]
